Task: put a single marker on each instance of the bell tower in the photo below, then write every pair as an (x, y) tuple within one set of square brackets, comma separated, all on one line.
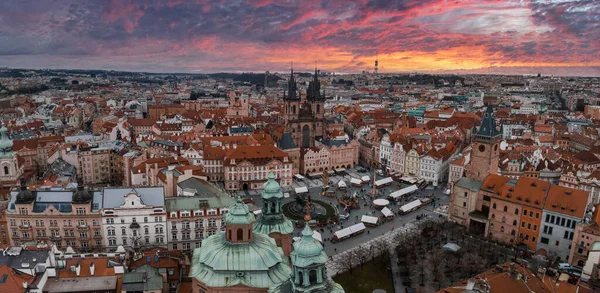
[(292, 100), (486, 147)]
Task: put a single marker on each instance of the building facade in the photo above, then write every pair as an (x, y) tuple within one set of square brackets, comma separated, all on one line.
[(67, 218), (190, 219), (134, 218)]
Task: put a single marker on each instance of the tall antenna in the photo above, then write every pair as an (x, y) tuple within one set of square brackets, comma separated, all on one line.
[(376, 62)]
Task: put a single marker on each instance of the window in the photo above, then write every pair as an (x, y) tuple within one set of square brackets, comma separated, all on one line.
[(537, 215), (566, 236), (123, 231), (533, 239), (145, 219), (514, 222), (112, 242), (240, 234), (146, 230), (505, 209), (124, 241), (464, 204), (562, 222), (534, 227), (544, 240), (516, 211), (5, 170), (522, 224), (557, 243), (548, 218)]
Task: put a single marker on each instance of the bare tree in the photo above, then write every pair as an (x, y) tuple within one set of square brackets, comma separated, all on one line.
[(361, 254), (346, 262), (471, 264)]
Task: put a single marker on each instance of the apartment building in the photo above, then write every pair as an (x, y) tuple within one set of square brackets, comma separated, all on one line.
[(65, 218)]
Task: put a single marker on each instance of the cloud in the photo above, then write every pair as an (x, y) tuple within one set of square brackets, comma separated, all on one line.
[(217, 35)]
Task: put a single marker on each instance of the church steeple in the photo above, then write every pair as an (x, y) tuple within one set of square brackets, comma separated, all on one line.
[(314, 87), (309, 273), (292, 87), (272, 221)]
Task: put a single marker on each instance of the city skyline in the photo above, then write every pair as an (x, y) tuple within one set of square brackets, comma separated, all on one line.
[(560, 37)]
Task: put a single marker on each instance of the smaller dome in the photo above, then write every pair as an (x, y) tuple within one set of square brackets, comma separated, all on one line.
[(239, 214), (81, 195), (25, 195), (308, 246), (272, 188)]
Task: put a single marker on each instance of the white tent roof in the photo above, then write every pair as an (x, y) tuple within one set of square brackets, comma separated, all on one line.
[(298, 176), (348, 231), (411, 205), (342, 183), (355, 181), (386, 212), (452, 246), (302, 189), (406, 190), (384, 181), (365, 178), (381, 202), (369, 219)]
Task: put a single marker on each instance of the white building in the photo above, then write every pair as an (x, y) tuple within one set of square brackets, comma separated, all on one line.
[(385, 150), (434, 167), (134, 217)]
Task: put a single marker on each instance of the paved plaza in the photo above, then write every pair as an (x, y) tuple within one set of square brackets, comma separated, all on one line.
[(399, 221)]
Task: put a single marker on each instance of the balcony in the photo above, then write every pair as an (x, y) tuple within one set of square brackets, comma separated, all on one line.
[(83, 227), (97, 236), (69, 236), (25, 227), (134, 225), (56, 238), (27, 238)]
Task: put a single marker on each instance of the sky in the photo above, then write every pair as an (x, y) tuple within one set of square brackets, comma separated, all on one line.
[(338, 35)]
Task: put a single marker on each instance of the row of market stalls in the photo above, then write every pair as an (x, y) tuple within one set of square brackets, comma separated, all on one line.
[(402, 192)]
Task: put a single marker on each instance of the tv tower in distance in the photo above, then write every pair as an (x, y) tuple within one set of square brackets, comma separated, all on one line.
[(376, 62)]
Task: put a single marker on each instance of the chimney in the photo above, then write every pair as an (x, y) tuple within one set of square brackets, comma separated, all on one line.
[(78, 269), (596, 215), (92, 269)]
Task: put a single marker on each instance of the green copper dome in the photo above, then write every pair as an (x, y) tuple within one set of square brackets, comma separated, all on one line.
[(272, 188), (5, 142), (239, 214), (308, 251)]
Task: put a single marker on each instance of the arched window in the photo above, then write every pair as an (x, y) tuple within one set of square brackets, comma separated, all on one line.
[(494, 206), (300, 278), (514, 222), (312, 277), (5, 170), (502, 229), (512, 232), (240, 234), (294, 109), (249, 231), (505, 208), (493, 216), (318, 108), (516, 211)]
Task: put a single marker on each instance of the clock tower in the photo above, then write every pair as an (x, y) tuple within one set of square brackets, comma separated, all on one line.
[(485, 148)]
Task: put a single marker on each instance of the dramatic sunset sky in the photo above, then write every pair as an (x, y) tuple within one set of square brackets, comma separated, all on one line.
[(259, 35)]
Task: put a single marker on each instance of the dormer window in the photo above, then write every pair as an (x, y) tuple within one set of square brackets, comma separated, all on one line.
[(173, 214), (527, 200)]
